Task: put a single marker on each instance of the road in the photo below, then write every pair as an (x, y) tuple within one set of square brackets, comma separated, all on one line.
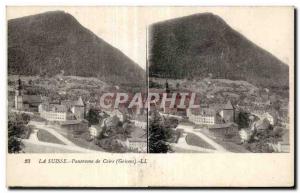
[(34, 143), (58, 135), (182, 144), (189, 129)]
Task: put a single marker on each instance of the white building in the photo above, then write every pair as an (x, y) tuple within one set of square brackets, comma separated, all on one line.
[(265, 115), (59, 112), (117, 113), (140, 123), (245, 135), (269, 117), (205, 117), (95, 130), (208, 114), (138, 144), (53, 112)]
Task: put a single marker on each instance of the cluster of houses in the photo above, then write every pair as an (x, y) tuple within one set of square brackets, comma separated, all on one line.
[(210, 115), (71, 114), (221, 120), (62, 112), (50, 111), (25, 102), (217, 119), (137, 142)]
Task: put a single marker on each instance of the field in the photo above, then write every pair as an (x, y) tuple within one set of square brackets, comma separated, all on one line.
[(34, 148), (80, 141), (194, 140), (45, 136)]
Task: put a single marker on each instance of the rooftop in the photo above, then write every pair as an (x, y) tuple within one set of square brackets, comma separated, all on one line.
[(204, 111), (54, 107), (79, 102), (32, 99), (228, 106)]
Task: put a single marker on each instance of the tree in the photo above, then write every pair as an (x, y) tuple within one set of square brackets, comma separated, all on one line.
[(93, 117), (126, 129), (25, 118), (157, 135), (259, 142), (243, 120), (16, 131)]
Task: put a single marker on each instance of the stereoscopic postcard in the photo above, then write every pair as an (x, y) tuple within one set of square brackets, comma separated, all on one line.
[(150, 96)]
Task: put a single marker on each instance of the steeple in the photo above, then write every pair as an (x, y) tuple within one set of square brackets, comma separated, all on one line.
[(228, 112), (167, 87), (19, 95), (19, 84), (19, 88), (79, 102), (228, 106), (78, 109)]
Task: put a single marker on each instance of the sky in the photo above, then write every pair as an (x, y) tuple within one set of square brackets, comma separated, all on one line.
[(126, 27)]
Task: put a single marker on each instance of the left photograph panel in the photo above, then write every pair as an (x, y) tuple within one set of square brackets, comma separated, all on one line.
[(76, 80)]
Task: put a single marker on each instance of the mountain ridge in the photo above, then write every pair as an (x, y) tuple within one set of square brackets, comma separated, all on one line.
[(197, 45), (55, 41)]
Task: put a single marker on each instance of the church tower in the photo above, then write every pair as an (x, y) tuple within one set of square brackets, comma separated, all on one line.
[(19, 95), (167, 87), (78, 109), (228, 112)]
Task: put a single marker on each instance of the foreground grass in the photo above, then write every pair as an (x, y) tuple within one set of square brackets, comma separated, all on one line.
[(37, 148), (45, 136), (79, 140), (194, 140)]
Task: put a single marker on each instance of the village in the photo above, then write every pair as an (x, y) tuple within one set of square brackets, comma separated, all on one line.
[(215, 126), (223, 127), (78, 126)]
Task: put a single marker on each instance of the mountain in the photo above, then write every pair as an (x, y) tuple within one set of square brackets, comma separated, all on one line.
[(55, 42), (203, 45)]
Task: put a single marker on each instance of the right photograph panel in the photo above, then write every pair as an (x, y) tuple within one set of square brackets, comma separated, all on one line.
[(219, 82)]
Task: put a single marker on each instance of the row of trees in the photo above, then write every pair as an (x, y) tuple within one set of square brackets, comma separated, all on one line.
[(260, 141), (17, 130), (161, 133), (262, 134)]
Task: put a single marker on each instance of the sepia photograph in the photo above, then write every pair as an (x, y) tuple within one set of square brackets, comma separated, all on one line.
[(241, 89), (57, 71), (145, 96)]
